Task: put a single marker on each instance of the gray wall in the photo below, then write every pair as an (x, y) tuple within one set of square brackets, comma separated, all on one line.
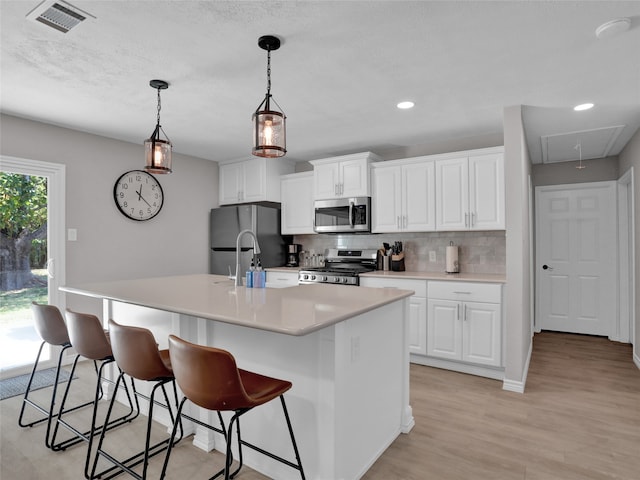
[(519, 247), (110, 246), (597, 170), (630, 157)]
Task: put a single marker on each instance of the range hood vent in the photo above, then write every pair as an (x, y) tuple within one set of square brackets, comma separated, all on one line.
[(59, 15)]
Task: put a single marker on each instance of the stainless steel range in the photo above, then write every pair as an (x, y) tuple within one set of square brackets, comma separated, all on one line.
[(341, 266)]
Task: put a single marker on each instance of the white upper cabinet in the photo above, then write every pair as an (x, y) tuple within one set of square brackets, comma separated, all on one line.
[(342, 177), (296, 212), (470, 191), (403, 196), (253, 180)]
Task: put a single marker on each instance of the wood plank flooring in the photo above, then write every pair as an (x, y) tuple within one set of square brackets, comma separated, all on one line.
[(579, 419)]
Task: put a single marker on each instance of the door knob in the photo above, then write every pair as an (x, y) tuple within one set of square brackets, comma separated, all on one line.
[(547, 267)]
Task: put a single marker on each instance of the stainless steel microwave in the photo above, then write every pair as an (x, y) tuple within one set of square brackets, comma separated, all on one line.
[(343, 215)]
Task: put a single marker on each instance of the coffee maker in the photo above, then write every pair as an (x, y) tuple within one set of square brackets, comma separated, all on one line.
[(293, 253)]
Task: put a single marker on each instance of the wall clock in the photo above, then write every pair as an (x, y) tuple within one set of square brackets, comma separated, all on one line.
[(138, 195)]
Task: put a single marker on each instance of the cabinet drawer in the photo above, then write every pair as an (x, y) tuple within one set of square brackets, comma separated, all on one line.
[(466, 291), (418, 286)]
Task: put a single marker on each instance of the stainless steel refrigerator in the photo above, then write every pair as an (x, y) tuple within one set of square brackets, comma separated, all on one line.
[(227, 222)]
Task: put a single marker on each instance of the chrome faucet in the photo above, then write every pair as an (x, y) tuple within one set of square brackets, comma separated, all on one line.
[(256, 250)]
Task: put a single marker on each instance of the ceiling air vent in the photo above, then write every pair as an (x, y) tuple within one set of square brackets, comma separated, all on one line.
[(59, 14)]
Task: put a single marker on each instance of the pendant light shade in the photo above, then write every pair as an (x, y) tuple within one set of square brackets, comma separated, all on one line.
[(269, 122), (157, 150)]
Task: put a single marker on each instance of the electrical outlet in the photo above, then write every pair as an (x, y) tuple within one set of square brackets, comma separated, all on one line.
[(432, 256), (72, 234)]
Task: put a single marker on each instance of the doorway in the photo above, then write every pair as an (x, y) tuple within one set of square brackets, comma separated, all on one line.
[(576, 258), (19, 341)]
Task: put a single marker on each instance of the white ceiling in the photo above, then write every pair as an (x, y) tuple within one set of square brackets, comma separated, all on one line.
[(341, 70)]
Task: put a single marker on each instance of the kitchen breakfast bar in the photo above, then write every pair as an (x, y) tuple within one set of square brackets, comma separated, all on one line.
[(345, 349)]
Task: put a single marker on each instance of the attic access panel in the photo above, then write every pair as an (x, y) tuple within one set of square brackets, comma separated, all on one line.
[(595, 143), (59, 15)]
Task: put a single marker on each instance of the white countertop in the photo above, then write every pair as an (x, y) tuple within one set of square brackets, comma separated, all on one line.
[(296, 310), (456, 277)]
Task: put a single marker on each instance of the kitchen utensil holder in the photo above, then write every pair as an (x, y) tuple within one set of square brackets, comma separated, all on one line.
[(397, 262)]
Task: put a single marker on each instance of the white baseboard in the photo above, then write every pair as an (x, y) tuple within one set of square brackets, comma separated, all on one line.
[(518, 385), (636, 360)]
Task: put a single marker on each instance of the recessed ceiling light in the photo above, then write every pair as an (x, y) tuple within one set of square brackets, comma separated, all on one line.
[(613, 27), (583, 106), (405, 105)]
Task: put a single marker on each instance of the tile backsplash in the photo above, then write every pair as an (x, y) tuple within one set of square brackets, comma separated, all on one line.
[(480, 252)]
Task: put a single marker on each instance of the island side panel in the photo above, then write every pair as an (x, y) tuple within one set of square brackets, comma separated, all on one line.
[(371, 366)]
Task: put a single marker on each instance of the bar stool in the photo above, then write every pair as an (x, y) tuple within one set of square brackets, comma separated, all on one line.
[(90, 341), (137, 355), (210, 378), (49, 324)]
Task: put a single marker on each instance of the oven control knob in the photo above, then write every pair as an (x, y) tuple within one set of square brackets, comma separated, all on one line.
[(305, 277), (336, 280), (323, 278), (313, 277), (345, 280)]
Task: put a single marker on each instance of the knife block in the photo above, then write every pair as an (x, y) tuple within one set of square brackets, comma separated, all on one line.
[(397, 262)]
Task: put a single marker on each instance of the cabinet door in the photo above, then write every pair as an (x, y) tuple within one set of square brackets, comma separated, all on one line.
[(326, 180), (482, 333), (418, 206), (386, 199), (444, 330), (297, 204), (354, 178), (418, 325), (254, 175), (486, 192), (230, 183), (452, 194)]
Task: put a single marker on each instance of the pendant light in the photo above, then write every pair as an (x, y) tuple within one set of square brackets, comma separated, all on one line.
[(269, 132), (157, 150)]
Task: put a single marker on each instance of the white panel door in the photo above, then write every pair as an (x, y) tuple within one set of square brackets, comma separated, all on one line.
[(419, 197), (444, 329), (452, 194), (386, 199), (486, 192), (481, 333), (576, 252), (354, 178), (326, 178), (418, 325)]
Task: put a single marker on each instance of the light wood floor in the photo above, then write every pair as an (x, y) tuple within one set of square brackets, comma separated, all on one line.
[(578, 419)]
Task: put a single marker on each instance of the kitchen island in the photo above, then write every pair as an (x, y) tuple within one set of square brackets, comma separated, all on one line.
[(345, 349)]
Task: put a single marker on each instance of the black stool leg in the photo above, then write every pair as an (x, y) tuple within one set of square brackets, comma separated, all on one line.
[(293, 439)]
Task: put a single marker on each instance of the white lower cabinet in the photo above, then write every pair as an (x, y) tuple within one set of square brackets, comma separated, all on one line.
[(417, 308), (464, 322), (281, 279)]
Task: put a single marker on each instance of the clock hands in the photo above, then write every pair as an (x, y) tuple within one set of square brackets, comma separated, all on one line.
[(141, 197)]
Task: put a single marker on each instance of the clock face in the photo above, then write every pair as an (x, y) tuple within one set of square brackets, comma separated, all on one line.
[(138, 195)]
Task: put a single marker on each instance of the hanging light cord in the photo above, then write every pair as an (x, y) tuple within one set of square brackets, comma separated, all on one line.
[(269, 72), (159, 107)]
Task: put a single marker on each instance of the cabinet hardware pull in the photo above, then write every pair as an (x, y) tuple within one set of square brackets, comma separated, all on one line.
[(466, 220), (458, 311), (405, 221), (398, 221), (465, 312), (473, 219), (465, 293)]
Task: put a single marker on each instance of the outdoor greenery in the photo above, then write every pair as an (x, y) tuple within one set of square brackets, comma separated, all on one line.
[(15, 305), (23, 219)]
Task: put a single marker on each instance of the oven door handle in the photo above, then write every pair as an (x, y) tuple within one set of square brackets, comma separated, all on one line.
[(351, 219)]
